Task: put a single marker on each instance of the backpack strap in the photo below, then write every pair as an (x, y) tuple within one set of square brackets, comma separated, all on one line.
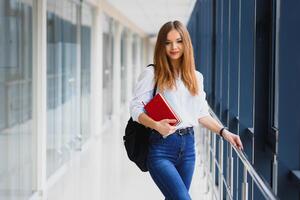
[(154, 91), (155, 86)]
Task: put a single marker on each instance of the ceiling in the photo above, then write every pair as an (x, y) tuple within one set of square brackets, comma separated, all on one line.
[(150, 15)]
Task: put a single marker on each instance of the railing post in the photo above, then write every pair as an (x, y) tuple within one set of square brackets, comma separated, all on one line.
[(230, 171), (213, 168), (245, 185), (274, 174), (207, 162), (221, 168)]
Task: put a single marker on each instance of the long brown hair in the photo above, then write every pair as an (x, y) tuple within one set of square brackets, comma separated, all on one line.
[(164, 72)]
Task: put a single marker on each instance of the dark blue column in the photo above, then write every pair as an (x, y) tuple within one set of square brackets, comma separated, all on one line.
[(289, 98)]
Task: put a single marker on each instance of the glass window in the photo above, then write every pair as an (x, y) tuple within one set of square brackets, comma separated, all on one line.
[(134, 59), (107, 67), (86, 43), (63, 82), (16, 156), (123, 66), (142, 55)]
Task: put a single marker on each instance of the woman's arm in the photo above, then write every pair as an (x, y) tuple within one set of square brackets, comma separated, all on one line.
[(163, 126), (213, 125)]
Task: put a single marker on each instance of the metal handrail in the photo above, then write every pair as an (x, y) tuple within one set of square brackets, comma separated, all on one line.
[(263, 187), (261, 184)]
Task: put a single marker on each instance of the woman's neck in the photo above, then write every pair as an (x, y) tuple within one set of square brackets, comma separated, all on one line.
[(176, 65)]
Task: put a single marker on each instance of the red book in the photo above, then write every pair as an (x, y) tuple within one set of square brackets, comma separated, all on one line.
[(159, 109)]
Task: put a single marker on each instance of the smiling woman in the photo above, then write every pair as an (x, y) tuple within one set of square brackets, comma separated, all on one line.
[(171, 157)]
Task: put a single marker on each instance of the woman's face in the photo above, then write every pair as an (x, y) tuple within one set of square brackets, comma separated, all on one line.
[(174, 45)]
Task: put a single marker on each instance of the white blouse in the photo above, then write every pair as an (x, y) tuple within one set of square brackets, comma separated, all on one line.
[(189, 108)]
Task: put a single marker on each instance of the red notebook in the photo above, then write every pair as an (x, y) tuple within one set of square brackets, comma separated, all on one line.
[(159, 109)]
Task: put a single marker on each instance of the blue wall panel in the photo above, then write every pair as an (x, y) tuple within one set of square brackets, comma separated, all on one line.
[(289, 96), (235, 49), (233, 63), (218, 57), (224, 62), (247, 63)]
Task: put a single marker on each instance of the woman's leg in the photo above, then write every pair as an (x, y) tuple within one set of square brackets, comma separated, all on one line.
[(169, 181), (186, 164), (163, 156)]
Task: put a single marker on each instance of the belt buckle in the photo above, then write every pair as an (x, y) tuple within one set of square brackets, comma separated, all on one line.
[(181, 131)]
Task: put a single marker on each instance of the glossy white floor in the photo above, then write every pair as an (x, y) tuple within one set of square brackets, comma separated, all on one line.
[(103, 171)]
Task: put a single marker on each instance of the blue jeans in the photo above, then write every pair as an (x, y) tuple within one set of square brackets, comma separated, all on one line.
[(171, 163)]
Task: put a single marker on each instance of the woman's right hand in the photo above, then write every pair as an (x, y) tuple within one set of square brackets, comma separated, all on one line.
[(164, 127)]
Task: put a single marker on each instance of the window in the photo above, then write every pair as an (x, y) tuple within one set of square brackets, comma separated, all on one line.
[(63, 82), (16, 156), (134, 60), (86, 47), (123, 66), (108, 41)]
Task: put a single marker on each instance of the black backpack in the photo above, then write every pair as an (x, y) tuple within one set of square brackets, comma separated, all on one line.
[(136, 141)]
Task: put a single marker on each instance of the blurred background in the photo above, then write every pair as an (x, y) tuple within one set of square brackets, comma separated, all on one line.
[(68, 69)]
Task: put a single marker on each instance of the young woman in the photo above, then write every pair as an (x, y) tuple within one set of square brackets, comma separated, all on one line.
[(171, 157)]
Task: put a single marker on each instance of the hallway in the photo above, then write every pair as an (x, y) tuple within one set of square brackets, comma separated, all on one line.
[(68, 69)]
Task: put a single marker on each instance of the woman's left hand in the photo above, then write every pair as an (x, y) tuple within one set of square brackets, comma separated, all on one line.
[(233, 139)]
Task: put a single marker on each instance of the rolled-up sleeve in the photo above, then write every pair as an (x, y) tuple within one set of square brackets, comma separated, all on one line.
[(142, 93), (203, 105)]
